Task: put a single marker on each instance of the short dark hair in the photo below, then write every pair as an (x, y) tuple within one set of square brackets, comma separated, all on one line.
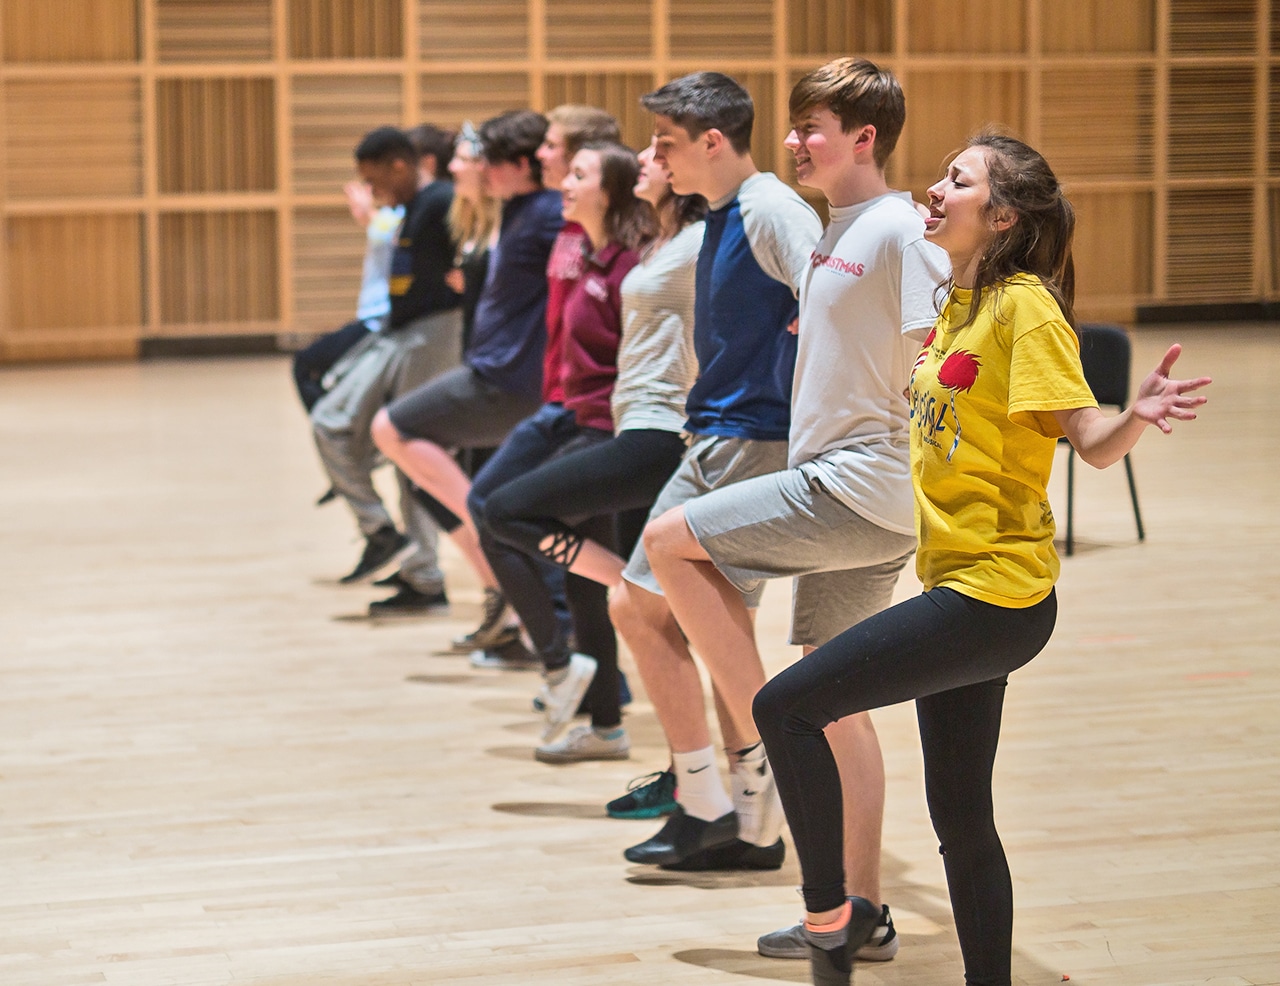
[(513, 135), (386, 144), (430, 139), (707, 101), (859, 93)]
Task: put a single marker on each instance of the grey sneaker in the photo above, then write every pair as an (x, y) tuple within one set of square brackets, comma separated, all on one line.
[(789, 943), (563, 697), (493, 631), (585, 743)]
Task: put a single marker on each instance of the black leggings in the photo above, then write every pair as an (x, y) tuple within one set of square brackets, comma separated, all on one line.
[(572, 497), (952, 654)]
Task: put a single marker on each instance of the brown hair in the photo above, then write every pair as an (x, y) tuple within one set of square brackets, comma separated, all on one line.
[(1039, 241), (706, 101), (860, 94), (628, 220), (582, 125)]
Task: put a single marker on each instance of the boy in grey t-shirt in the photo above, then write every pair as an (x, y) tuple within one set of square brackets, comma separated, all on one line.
[(840, 516)]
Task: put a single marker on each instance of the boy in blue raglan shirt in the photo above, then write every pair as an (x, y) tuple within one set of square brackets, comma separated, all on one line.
[(760, 236)]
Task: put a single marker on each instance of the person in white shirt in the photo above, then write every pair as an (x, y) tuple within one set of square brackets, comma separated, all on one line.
[(839, 517)]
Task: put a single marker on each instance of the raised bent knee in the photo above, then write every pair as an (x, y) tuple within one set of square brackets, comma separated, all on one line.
[(384, 432)]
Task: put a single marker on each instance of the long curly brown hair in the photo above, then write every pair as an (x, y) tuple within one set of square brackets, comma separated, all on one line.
[(1039, 240)]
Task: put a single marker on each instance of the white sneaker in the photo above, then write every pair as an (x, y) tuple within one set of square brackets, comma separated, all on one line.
[(585, 743), (563, 698)]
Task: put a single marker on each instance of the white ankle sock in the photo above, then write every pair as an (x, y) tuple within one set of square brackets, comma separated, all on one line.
[(755, 797), (698, 786)]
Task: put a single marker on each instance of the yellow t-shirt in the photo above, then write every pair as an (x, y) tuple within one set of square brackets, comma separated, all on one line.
[(982, 441)]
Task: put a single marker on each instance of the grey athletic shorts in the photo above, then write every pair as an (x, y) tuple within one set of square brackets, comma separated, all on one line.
[(460, 409), (710, 463), (786, 524)]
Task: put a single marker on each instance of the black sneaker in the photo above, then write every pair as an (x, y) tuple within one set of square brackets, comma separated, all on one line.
[(492, 633), (410, 602), (651, 796), (393, 581), (381, 548), (683, 836)]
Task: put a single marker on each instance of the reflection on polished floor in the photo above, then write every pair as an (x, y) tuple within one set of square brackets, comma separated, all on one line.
[(209, 775)]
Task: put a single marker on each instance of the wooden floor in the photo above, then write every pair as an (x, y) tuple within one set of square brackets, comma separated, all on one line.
[(212, 770)]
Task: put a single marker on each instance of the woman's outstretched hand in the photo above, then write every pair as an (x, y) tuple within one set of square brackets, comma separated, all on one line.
[(1161, 398)]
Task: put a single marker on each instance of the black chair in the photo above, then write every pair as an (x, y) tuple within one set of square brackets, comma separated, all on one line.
[(1106, 355)]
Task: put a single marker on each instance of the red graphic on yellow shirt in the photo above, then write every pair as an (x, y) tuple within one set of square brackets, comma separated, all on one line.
[(958, 373)]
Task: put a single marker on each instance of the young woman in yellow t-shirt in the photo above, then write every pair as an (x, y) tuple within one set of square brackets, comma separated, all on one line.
[(996, 384)]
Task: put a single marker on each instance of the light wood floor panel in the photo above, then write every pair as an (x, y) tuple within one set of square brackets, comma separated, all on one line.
[(213, 771)]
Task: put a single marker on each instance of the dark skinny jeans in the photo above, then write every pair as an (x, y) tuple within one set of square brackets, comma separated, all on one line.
[(953, 655), (596, 487)]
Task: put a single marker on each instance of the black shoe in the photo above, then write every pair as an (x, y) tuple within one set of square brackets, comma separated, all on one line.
[(684, 836), (834, 966), (381, 548), (393, 581), (494, 632), (735, 855), (410, 602), (328, 496)]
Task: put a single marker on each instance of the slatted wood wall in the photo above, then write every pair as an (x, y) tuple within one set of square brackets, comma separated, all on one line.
[(174, 167)]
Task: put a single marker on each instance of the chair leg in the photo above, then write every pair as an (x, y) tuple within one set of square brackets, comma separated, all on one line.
[(1071, 492), (1133, 495)]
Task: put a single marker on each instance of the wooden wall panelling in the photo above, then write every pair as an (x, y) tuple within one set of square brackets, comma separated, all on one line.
[(1212, 27), (78, 137), (330, 114), (448, 98), (703, 29), (817, 27), (617, 92), (766, 134), (75, 285), (1090, 27), (216, 135), (1273, 118), (1115, 232), (1098, 121), (946, 106), (1210, 244), (496, 31), (589, 28), (214, 30), (69, 30), (346, 28), (1211, 120), (966, 26), (1273, 229), (149, 45), (328, 254), (218, 268)]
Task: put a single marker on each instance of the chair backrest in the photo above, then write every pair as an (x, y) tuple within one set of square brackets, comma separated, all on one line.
[(1106, 355)]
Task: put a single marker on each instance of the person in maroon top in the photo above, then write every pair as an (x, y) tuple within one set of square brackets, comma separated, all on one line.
[(598, 195), (496, 641)]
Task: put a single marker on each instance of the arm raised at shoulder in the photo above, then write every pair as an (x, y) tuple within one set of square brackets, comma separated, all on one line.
[(1102, 440)]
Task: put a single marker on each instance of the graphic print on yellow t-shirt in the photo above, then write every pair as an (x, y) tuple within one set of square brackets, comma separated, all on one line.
[(982, 442)]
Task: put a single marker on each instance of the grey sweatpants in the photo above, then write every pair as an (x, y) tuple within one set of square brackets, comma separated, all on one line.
[(375, 371)]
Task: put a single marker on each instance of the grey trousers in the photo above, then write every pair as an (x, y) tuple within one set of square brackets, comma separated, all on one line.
[(375, 371)]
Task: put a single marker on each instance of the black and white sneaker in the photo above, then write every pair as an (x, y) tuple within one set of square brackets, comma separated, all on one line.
[(381, 548), (494, 632)]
